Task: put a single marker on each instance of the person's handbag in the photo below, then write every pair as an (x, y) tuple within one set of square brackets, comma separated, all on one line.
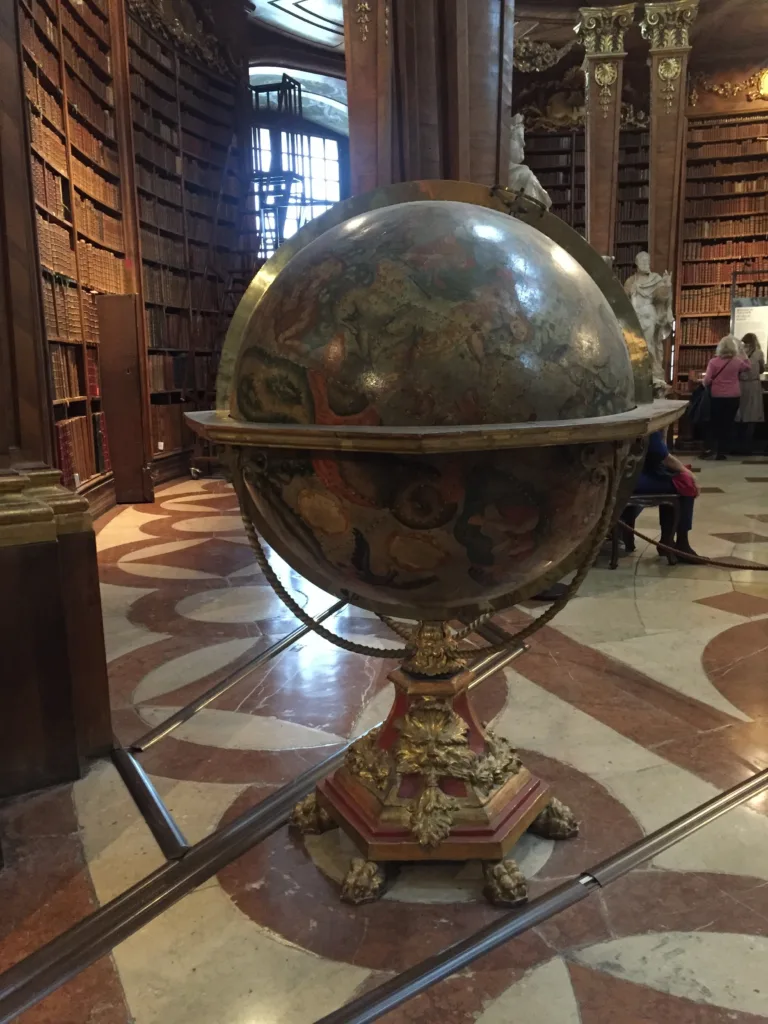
[(685, 484), (700, 402)]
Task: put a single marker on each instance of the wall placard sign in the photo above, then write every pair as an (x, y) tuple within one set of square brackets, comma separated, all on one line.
[(751, 315)]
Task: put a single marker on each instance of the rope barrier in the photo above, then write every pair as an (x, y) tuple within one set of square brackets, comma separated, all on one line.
[(694, 559)]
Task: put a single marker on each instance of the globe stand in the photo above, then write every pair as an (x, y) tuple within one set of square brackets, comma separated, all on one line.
[(431, 784)]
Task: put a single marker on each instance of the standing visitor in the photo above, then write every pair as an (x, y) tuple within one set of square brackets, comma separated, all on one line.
[(751, 410), (722, 378)]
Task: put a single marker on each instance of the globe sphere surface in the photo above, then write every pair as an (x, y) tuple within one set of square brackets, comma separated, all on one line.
[(429, 313), (432, 314)]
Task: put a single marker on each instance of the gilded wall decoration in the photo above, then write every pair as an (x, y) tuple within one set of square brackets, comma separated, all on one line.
[(669, 71), (363, 19), (667, 26), (601, 29), (606, 75), (532, 55), (177, 21), (753, 88)]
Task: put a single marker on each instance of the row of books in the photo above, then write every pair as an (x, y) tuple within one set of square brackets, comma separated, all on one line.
[(725, 133), (218, 133), (210, 178), (726, 170), (721, 272), (42, 18), (628, 175), (727, 250), (92, 371), (95, 184), (84, 40), (84, 70), (160, 215), (718, 207), (631, 233), (202, 105), (73, 450), (148, 122), (167, 330), (101, 226), (747, 147), (733, 186), (162, 249), (552, 143), (41, 53), (100, 269), (206, 85), (550, 161), (696, 359), (101, 152), (61, 308), (89, 107), (48, 144), (151, 47), (144, 92), (168, 372), (50, 189), (98, 26), (66, 377), (713, 299), (732, 228), (705, 331), (55, 246), (37, 92), (168, 189), (165, 286), (101, 443), (633, 210), (633, 192), (90, 316), (157, 153)]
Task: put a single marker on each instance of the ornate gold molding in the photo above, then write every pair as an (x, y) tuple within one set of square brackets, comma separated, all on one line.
[(363, 19), (606, 76), (601, 29), (669, 70), (666, 26), (532, 55), (754, 88), (23, 519), (177, 21)]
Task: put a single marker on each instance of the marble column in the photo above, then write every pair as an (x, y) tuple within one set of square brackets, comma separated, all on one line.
[(601, 31), (666, 27), (430, 89), (55, 703)]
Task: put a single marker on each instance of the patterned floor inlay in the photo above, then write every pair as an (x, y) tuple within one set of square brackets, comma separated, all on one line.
[(646, 696)]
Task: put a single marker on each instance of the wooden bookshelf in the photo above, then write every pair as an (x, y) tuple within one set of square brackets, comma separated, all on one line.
[(557, 160), (724, 232), (632, 205), (188, 182), (66, 60)]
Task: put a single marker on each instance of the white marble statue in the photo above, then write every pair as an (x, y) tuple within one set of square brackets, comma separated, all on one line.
[(522, 178), (651, 296)]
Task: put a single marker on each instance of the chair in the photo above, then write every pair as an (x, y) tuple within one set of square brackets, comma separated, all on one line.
[(634, 507)]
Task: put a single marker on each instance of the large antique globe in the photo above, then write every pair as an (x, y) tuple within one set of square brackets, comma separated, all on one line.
[(434, 390)]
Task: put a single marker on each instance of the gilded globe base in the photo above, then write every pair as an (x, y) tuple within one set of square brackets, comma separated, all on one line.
[(431, 784)]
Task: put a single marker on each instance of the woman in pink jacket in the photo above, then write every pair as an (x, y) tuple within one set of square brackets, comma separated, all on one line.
[(722, 377)]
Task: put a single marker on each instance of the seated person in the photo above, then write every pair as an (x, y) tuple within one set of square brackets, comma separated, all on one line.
[(658, 477)]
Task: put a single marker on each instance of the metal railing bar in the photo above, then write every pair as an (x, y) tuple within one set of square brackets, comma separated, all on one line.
[(421, 976), (48, 968), (166, 832), (184, 714)]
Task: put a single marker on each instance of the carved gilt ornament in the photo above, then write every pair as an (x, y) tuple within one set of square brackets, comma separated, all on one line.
[(363, 19), (606, 75), (666, 26), (753, 88), (533, 55), (601, 29), (669, 71)]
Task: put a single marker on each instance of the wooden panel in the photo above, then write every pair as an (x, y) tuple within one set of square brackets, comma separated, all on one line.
[(602, 149), (38, 740), (667, 146), (123, 397)]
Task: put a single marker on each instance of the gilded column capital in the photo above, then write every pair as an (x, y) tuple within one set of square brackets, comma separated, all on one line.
[(24, 519), (71, 511), (666, 26), (601, 29)]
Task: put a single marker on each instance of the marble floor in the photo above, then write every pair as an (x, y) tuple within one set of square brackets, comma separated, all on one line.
[(649, 695)]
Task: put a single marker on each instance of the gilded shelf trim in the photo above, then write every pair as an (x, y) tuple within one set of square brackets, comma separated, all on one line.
[(755, 87), (532, 55)]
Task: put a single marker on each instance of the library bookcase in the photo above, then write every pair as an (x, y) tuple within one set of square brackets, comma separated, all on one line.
[(138, 184), (724, 237), (557, 160), (632, 204)]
